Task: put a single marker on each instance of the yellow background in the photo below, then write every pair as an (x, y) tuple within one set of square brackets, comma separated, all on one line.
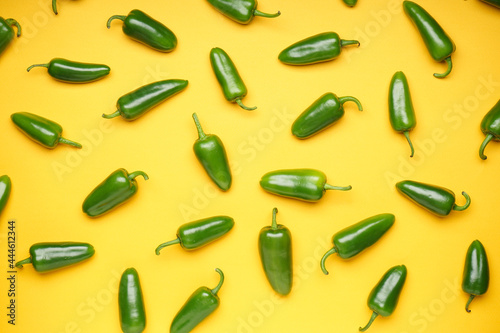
[(362, 150)]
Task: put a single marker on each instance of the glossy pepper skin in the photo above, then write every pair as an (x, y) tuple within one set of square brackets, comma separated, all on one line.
[(144, 29), (435, 199), (131, 307), (136, 103), (401, 112), (384, 297), (275, 250), (112, 192), (351, 3), (495, 3), (476, 275), (74, 72), (241, 11), (211, 154), (7, 32), (50, 256), (202, 302), (354, 239), (5, 189), (437, 41), (322, 47), (490, 126), (324, 112), (302, 184), (41, 130), (229, 79), (196, 234)]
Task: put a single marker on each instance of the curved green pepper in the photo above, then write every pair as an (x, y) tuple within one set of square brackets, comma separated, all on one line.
[(490, 126), (495, 3), (202, 302), (7, 33), (435, 199), (196, 234), (476, 275), (438, 43), (302, 184), (384, 297), (115, 190), (136, 103), (142, 28), (229, 79), (275, 249), (354, 239), (41, 130), (401, 113), (74, 72), (322, 47), (241, 11), (321, 114), (210, 152), (351, 3), (131, 303), (5, 188), (50, 256)]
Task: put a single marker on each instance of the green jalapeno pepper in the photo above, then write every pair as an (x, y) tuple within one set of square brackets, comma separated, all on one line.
[(438, 43), (435, 199), (196, 234), (322, 47), (354, 239), (41, 130), (401, 113), (202, 302), (7, 33), (490, 126), (131, 303), (50, 256), (321, 114), (210, 152), (241, 11), (136, 103), (302, 184), (112, 192), (229, 79), (495, 3), (351, 3), (476, 275), (275, 250), (5, 189), (74, 72), (384, 297), (144, 29)]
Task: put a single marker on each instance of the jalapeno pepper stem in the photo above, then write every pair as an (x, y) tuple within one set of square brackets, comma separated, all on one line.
[(351, 99), (115, 17), (38, 65), (257, 12), (467, 203), (20, 264), (468, 303), (201, 134), (450, 66), (221, 281), (69, 142), (274, 224), (133, 175), (338, 188), (112, 115), (487, 140), (407, 135), (13, 22), (54, 6), (243, 106), (327, 254), (374, 315), (346, 42), (161, 246)]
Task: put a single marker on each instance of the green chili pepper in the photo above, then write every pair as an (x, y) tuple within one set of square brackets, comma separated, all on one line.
[(322, 47), (7, 33), (5, 188), (50, 256), (146, 30), (275, 249), (196, 234), (350, 3), (241, 11), (131, 302), (401, 113), (202, 302), (384, 297), (115, 190), (41, 130), (490, 126), (476, 276), (354, 239), (435, 199), (438, 43), (495, 3), (321, 114), (210, 152), (136, 103), (301, 184), (228, 77), (74, 72)]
